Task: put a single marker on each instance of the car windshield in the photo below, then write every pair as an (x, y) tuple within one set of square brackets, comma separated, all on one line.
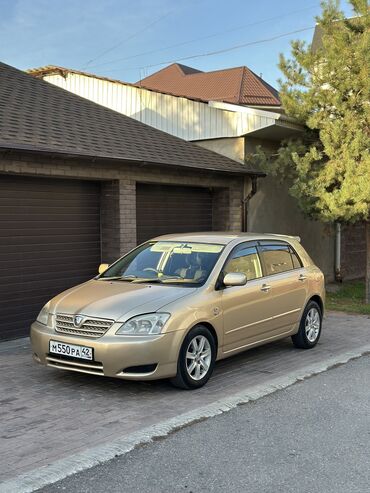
[(167, 262)]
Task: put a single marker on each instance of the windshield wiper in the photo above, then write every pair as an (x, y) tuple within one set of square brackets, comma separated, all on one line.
[(162, 279), (118, 278), (176, 280), (137, 280)]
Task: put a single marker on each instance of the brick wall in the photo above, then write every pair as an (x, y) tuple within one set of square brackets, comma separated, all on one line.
[(110, 220), (220, 220), (118, 192), (353, 251)]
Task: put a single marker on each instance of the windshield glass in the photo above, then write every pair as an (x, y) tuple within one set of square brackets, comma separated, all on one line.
[(166, 262)]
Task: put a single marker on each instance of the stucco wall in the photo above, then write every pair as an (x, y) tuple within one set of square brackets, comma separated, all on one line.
[(231, 147), (273, 210)]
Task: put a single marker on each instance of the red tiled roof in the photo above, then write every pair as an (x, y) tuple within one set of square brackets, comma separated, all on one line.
[(237, 85)]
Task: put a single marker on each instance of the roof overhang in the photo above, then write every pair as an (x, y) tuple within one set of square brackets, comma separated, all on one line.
[(70, 154), (276, 132), (261, 123)]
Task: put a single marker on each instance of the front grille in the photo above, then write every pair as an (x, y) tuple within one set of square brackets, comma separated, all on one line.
[(91, 327)]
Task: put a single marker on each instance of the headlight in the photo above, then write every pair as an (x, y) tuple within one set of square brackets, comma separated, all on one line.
[(42, 317), (151, 323)]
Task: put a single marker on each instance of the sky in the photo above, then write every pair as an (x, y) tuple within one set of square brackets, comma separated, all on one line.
[(130, 39)]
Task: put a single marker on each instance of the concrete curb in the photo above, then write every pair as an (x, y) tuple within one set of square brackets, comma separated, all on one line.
[(38, 478)]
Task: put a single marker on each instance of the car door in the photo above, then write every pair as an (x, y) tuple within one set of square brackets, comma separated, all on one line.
[(244, 307), (285, 279)]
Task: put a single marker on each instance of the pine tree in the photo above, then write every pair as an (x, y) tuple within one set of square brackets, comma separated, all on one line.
[(327, 89)]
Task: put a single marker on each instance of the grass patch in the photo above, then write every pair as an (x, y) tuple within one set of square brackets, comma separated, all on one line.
[(349, 298)]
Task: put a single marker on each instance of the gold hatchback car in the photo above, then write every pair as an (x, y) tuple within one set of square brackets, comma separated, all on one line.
[(173, 306)]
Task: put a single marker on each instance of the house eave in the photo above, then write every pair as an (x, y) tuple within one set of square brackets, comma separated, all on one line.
[(67, 154)]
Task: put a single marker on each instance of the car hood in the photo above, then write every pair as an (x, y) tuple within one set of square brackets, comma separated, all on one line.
[(116, 299)]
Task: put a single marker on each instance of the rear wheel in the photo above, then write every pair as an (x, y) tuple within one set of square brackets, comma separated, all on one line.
[(196, 359), (309, 331)]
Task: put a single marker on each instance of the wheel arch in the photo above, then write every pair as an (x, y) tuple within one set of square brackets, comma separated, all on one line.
[(317, 298), (209, 327), (212, 331)]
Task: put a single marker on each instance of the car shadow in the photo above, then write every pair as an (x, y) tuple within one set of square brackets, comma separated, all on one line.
[(252, 360)]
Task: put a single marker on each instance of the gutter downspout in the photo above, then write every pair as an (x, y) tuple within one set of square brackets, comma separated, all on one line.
[(338, 267), (245, 203)]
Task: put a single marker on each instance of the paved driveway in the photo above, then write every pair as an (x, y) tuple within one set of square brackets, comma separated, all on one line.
[(313, 437), (48, 414)]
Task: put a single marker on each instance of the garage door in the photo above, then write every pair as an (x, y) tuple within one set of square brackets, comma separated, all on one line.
[(163, 209), (49, 241)]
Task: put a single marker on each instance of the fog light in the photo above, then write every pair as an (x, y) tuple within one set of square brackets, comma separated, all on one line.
[(141, 368)]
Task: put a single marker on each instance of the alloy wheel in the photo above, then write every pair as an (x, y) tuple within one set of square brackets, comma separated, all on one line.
[(198, 357), (312, 324)]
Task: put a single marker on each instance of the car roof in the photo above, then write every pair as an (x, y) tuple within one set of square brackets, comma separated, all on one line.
[(223, 237)]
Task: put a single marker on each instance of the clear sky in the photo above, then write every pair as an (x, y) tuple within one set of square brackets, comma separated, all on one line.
[(123, 39)]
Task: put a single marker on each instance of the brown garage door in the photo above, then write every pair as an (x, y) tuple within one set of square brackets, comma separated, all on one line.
[(49, 241), (163, 209)]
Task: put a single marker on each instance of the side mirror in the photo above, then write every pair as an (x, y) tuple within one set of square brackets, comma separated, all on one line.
[(235, 279), (103, 268)]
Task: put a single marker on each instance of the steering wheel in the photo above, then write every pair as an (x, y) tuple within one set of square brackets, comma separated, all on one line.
[(151, 269)]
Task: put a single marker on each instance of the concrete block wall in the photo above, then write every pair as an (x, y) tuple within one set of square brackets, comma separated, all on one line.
[(353, 251)]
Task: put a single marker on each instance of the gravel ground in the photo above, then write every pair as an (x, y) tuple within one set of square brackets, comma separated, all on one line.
[(311, 437)]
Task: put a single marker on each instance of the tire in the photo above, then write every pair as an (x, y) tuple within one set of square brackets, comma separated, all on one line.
[(310, 327), (189, 378)]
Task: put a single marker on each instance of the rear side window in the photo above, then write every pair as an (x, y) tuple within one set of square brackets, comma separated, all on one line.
[(297, 264), (244, 259), (277, 258)]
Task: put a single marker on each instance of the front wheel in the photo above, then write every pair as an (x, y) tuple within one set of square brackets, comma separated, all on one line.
[(309, 331), (196, 359)]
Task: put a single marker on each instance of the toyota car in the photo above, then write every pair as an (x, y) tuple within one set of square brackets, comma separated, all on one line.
[(176, 304)]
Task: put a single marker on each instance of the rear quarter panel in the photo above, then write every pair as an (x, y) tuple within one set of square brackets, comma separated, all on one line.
[(316, 279)]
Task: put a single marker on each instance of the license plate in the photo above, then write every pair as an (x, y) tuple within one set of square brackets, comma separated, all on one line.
[(72, 350)]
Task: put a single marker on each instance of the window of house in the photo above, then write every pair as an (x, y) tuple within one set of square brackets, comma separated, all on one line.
[(244, 259)]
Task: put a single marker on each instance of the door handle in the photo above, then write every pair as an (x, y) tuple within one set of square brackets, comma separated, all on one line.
[(265, 287), (302, 277)]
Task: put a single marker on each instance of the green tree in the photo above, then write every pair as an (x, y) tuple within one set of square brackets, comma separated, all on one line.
[(327, 89)]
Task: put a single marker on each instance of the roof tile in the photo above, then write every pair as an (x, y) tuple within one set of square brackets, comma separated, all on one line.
[(237, 85)]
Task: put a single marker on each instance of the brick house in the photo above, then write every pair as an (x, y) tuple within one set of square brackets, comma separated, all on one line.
[(81, 184)]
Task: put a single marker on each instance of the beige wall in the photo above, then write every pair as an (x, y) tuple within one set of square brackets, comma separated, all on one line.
[(232, 147), (273, 210)]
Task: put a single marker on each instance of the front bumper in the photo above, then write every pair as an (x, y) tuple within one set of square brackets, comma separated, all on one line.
[(112, 353)]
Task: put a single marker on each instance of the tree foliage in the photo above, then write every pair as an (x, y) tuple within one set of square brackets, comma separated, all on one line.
[(328, 91)]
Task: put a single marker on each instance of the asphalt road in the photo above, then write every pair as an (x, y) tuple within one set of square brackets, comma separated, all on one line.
[(311, 437)]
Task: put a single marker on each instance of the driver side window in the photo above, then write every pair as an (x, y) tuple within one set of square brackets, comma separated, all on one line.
[(244, 259)]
